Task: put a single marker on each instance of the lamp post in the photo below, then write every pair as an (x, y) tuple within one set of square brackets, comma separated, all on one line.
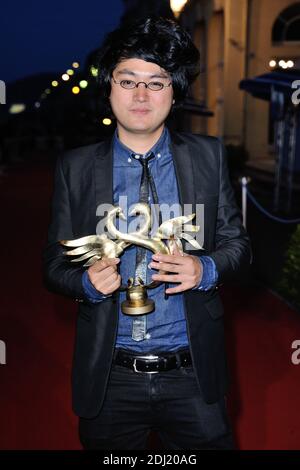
[(177, 6)]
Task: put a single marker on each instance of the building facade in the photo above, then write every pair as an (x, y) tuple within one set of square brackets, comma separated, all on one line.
[(240, 39)]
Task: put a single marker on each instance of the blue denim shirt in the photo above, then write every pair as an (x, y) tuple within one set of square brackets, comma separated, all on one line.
[(166, 325)]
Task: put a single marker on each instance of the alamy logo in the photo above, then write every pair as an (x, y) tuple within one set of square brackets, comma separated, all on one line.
[(2, 353), (2, 92), (296, 94), (295, 357), (128, 224)]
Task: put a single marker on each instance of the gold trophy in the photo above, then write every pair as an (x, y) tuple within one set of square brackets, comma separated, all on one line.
[(137, 302), (94, 247)]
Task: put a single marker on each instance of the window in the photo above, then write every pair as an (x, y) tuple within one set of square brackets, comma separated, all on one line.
[(287, 25)]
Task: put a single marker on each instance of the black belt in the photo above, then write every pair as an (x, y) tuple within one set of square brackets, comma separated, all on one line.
[(152, 363)]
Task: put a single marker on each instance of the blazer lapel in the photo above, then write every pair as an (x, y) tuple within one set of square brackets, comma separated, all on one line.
[(183, 169), (184, 174), (103, 177)]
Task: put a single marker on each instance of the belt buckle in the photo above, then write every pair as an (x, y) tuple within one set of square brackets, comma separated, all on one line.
[(150, 357)]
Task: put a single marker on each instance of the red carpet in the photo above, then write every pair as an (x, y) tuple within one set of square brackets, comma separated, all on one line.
[(38, 329)]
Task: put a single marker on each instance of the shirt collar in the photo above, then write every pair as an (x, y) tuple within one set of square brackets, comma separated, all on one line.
[(122, 153)]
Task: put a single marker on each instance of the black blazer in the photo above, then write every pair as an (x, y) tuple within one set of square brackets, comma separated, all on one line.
[(83, 180)]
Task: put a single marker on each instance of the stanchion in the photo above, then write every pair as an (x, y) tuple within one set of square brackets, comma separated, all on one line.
[(244, 181), (246, 193)]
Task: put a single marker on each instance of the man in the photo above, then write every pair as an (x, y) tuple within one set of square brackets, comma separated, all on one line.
[(164, 371)]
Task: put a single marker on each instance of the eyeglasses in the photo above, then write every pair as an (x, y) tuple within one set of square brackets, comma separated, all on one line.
[(130, 84)]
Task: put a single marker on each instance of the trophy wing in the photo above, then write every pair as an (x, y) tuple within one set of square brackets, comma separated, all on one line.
[(174, 229), (92, 248)]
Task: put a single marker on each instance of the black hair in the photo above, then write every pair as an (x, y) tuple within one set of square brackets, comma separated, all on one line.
[(154, 39)]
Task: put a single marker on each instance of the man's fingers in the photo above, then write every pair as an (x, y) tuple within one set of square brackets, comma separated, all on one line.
[(110, 284), (104, 263), (107, 271), (115, 285), (103, 275), (175, 290), (166, 278), (173, 259), (107, 280), (173, 268)]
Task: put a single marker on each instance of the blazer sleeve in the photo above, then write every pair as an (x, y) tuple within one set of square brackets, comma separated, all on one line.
[(59, 274), (232, 253)]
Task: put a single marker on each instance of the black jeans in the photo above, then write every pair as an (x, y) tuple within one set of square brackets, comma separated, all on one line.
[(170, 403)]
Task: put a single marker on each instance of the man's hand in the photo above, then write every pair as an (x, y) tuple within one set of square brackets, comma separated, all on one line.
[(104, 275), (185, 269)]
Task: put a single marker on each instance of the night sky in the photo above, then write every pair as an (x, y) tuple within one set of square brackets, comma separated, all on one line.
[(48, 36)]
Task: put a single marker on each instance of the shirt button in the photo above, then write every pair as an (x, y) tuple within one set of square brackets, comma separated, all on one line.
[(137, 157), (147, 336), (158, 155), (129, 160)]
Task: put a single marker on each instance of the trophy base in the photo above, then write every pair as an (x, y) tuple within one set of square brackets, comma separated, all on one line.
[(129, 309)]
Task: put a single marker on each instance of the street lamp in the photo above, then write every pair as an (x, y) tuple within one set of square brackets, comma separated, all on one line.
[(106, 121), (17, 108), (177, 6), (94, 71)]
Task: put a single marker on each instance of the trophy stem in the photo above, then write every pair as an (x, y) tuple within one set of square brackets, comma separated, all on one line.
[(137, 302)]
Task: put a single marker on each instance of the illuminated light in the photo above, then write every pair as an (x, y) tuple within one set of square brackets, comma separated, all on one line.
[(37, 104), (75, 65), (70, 72), (290, 63), (94, 71), (48, 91), (177, 6), (17, 108), (106, 121), (272, 63), (285, 66), (65, 77), (75, 90), (54, 83), (43, 96), (281, 63), (83, 83)]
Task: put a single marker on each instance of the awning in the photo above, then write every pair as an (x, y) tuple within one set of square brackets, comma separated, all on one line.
[(280, 81)]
